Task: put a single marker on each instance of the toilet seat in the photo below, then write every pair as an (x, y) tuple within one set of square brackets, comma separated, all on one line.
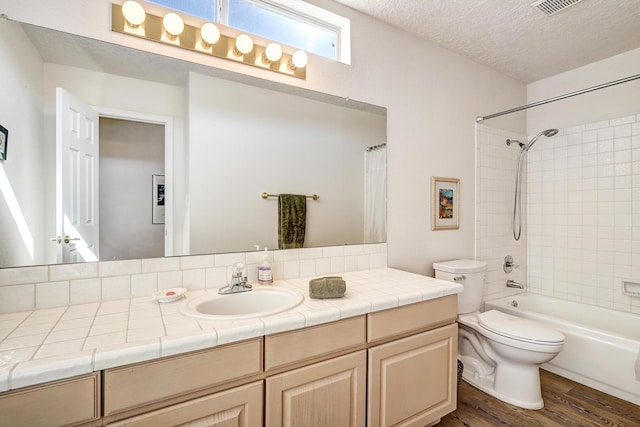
[(506, 328)]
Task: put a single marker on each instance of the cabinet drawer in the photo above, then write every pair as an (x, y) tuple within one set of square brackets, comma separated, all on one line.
[(315, 342), (240, 406), (145, 383), (407, 319), (66, 402)]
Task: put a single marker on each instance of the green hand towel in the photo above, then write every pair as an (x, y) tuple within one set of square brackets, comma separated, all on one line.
[(327, 287), (292, 220)]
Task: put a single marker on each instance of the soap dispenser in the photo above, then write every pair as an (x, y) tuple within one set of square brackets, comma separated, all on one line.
[(265, 275)]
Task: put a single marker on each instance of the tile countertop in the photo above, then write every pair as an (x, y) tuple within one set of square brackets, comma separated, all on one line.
[(56, 343)]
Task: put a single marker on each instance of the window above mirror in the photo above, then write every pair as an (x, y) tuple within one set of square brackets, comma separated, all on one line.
[(294, 23)]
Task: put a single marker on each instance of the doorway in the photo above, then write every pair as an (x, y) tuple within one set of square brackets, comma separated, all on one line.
[(131, 154)]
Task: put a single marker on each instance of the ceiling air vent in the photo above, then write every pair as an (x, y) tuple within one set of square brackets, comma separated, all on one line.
[(551, 7)]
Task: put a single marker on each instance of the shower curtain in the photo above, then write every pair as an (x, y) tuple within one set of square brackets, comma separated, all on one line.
[(375, 194)]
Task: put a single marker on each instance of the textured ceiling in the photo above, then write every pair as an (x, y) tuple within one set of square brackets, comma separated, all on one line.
[(514, 38)]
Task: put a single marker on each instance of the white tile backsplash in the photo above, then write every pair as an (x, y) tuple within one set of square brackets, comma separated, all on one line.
[(85, 290), (52, 294), (27, 288), (115, 288), (144, 284), (17, 298), (19, 276), (155, 265), (196, 261), (119, 268), (71, 271)]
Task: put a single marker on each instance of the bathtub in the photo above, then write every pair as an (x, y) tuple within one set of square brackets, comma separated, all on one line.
[(601, 345)]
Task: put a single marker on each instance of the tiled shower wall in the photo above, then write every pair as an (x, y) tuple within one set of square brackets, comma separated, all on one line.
[(495, 184), (583, 216), (581, 235)]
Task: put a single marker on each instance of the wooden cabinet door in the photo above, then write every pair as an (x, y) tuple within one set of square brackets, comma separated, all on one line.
[(237, 407), (412, 381), (329, 393)]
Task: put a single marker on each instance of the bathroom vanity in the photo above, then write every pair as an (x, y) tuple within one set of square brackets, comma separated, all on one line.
[(394, 363)]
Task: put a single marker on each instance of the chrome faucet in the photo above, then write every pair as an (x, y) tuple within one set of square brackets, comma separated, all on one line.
[(514, 284), (238, 282)]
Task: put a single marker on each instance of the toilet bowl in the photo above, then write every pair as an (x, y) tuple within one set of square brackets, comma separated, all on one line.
[(501, 353)]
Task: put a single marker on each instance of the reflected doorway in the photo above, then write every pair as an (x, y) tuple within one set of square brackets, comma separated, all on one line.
[(131, 153)]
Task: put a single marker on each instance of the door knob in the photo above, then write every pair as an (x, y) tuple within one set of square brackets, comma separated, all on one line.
[(66, 239)]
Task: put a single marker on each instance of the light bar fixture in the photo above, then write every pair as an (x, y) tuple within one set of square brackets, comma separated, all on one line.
[(133, 13), (272, 53), (173, 25), (298, 60), (131, 19), (210, 35), (244, 45)]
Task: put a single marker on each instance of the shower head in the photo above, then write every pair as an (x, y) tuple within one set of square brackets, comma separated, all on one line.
[(548, 133)]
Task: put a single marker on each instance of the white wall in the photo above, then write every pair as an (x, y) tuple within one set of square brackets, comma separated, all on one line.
[(130, 153), (432, 97), (21, 175), (283, 144), (616, 101)]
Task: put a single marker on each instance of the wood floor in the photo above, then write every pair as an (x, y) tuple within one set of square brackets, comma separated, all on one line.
[(567, 403)]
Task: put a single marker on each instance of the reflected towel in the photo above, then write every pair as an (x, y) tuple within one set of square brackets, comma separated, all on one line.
[(292, 220)]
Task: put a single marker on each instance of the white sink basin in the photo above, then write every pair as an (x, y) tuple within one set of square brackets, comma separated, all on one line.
[(260, 302)]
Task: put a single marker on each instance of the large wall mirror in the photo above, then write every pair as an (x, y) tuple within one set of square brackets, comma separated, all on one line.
[(182, 154)]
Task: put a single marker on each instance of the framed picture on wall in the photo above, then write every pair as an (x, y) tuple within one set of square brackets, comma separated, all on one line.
[(4, 138), (445, 203), (157, 212)]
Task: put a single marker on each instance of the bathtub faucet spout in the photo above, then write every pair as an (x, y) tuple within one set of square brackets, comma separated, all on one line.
[(514, 284)]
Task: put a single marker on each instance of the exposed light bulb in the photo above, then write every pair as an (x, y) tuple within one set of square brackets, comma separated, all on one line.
[(244, 44), (298, 60), (210, 33), (273, 52), (133, 13), (173, 24)]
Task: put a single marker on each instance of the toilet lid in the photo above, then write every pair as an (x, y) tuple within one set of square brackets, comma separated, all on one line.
[(519, 328)]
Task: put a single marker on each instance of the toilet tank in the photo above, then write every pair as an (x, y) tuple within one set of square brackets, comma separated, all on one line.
[(470, 274)]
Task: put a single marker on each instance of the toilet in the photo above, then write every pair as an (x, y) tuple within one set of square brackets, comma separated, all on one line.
[(501, 353)]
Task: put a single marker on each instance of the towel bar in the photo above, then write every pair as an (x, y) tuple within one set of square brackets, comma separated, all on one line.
[(265, 195)]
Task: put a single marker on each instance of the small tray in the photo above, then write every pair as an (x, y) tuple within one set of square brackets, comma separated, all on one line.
[(631, 287), (169, 295)]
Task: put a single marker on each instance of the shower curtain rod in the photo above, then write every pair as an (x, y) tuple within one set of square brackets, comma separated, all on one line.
[(557, 98), (376, 147)]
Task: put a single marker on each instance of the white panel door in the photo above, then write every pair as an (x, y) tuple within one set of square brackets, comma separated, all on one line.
[(76, 179)]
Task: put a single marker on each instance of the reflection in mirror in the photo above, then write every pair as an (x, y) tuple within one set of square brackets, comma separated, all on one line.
[(220, 142)]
